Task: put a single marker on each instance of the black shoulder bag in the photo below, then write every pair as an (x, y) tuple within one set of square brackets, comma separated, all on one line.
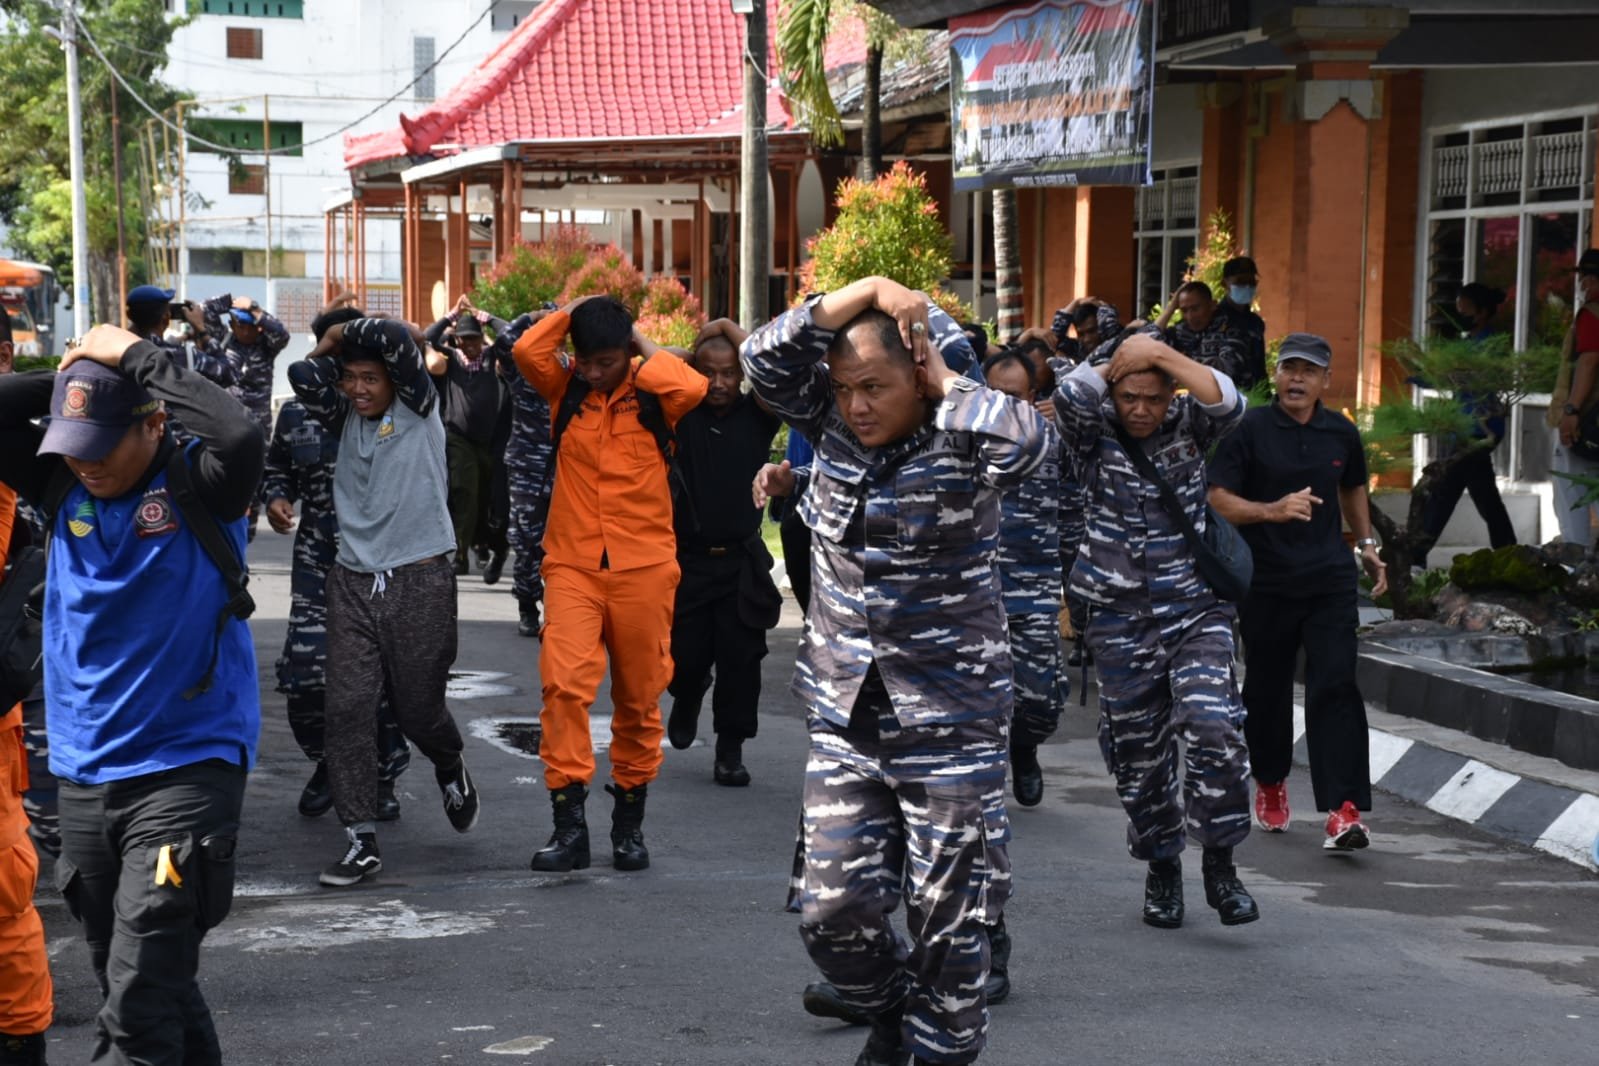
[(1220, 553)]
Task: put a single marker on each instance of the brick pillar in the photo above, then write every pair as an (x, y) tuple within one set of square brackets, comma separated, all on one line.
[(1338, 186), (1226, 122)]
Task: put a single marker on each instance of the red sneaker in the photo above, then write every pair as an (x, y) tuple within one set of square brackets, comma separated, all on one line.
[(1345, 830), (1271, 806)]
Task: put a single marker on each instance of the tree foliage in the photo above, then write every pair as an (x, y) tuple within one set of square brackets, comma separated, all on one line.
[(888, 227), (1475, 379), (35, 189)]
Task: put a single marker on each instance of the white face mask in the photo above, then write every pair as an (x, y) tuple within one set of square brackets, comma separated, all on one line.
[(1242, 295)]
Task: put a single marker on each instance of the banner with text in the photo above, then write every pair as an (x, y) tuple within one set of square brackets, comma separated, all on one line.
[(1055, 92)]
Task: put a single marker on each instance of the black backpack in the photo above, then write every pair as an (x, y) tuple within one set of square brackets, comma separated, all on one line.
[(21, 625), (22, 593), (650, 416)]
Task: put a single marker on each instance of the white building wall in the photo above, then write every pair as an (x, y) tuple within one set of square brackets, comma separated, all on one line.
[(339, 61)]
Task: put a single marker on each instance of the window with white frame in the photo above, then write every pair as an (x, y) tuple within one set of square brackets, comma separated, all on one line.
[(1509, 205), (1165, 234)]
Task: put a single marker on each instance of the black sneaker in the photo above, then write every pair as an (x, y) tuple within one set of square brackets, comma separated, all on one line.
[(360, 861), (460, 797)]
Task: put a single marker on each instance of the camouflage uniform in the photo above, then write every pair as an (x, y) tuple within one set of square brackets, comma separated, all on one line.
[(906, 676), (1030, 577), (1221, 346), (202, 356), (299, 468), (253, 362), (527, 464), (1161, 640)]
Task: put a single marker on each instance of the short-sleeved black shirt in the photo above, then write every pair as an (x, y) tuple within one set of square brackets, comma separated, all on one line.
[(1268, 456), (720, 456)]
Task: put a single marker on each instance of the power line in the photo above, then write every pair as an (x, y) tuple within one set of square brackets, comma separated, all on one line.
[(94, 46)]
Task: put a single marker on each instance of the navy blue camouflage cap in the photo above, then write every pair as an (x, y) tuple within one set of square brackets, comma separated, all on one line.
[(91, 408), (1306, 346)]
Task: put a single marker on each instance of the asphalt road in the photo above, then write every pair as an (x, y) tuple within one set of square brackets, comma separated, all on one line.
[(1436, 945)]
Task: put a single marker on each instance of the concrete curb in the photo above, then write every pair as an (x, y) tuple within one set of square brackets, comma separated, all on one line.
[(1433, 770)]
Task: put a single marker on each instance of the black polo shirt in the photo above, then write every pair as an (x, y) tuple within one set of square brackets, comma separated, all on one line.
[(1269, 456), (719, 456)]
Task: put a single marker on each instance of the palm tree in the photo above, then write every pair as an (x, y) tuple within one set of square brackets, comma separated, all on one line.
[(1007, 264), (802, 30)]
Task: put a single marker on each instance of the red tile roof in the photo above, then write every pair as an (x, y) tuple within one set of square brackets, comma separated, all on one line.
[(578, 69)]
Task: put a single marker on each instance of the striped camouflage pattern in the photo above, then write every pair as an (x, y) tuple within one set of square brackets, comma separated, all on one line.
[(527, 463), (1162, 642), (1222, 345), (903, 567), (1029, 538), (1041, 687), (1133, 557), (917, 813), (1161, 679)]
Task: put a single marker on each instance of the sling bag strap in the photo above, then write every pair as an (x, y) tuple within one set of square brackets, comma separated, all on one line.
[(1168, 495)]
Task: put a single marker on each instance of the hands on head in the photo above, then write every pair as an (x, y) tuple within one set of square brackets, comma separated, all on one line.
[(103, 344)]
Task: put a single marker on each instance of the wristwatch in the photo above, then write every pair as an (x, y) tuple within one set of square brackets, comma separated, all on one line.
[(1363, 543), (1570, 409)]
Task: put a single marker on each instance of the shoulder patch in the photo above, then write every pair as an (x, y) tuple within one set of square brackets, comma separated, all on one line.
[(154, 516)]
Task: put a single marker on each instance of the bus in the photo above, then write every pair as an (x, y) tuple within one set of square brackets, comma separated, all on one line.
[(31, 286)]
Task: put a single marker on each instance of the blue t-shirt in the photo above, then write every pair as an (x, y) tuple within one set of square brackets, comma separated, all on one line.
[(131, 607)]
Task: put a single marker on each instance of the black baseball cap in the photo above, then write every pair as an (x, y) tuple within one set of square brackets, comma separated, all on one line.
[(1306, 346), (91, 408), (1588, 262), (468, 326)]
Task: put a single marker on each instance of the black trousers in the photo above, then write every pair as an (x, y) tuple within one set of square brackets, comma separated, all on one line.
[(146, 868), (796, 539), (1275, 629), (1473, 474), (712, 635)]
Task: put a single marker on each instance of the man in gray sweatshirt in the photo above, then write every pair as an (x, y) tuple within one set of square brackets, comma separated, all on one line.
[(391, 592)]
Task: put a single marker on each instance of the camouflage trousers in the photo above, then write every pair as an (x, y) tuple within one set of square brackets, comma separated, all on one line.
[(1160, 680), (261, 415), (526, 531), (918, 814), (1041, 687)]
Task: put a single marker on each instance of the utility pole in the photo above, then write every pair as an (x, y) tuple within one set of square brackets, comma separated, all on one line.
[(80, 205), (266, 184), (116, 166), (755, 242)]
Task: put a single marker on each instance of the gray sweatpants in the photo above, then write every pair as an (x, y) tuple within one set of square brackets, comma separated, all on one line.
[(394, 630)]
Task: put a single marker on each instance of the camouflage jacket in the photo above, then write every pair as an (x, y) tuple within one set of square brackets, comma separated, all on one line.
[(905, 535), (529, 446), (1221, 346), (200, 354), (299, 468), (1133, 558), (1029, 538), (253, 362)]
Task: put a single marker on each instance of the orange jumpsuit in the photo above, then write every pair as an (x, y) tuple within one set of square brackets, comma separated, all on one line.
[(610, 563), (27, 999)]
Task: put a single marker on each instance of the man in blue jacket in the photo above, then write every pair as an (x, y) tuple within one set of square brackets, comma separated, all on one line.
[(154, 712)]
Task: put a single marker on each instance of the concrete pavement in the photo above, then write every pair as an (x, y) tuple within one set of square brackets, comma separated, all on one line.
[(1437, 945)]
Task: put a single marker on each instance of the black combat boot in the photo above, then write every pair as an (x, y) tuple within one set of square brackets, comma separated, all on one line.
[(388, 803), (527, 618), (568, 848), (885, 1046), (22, 1050), (1027, 777), (822, 1000), (495, 567), (317, 796), (1224, 891), (627, 828), (728, 769), (1163, 894), (997, 987)]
